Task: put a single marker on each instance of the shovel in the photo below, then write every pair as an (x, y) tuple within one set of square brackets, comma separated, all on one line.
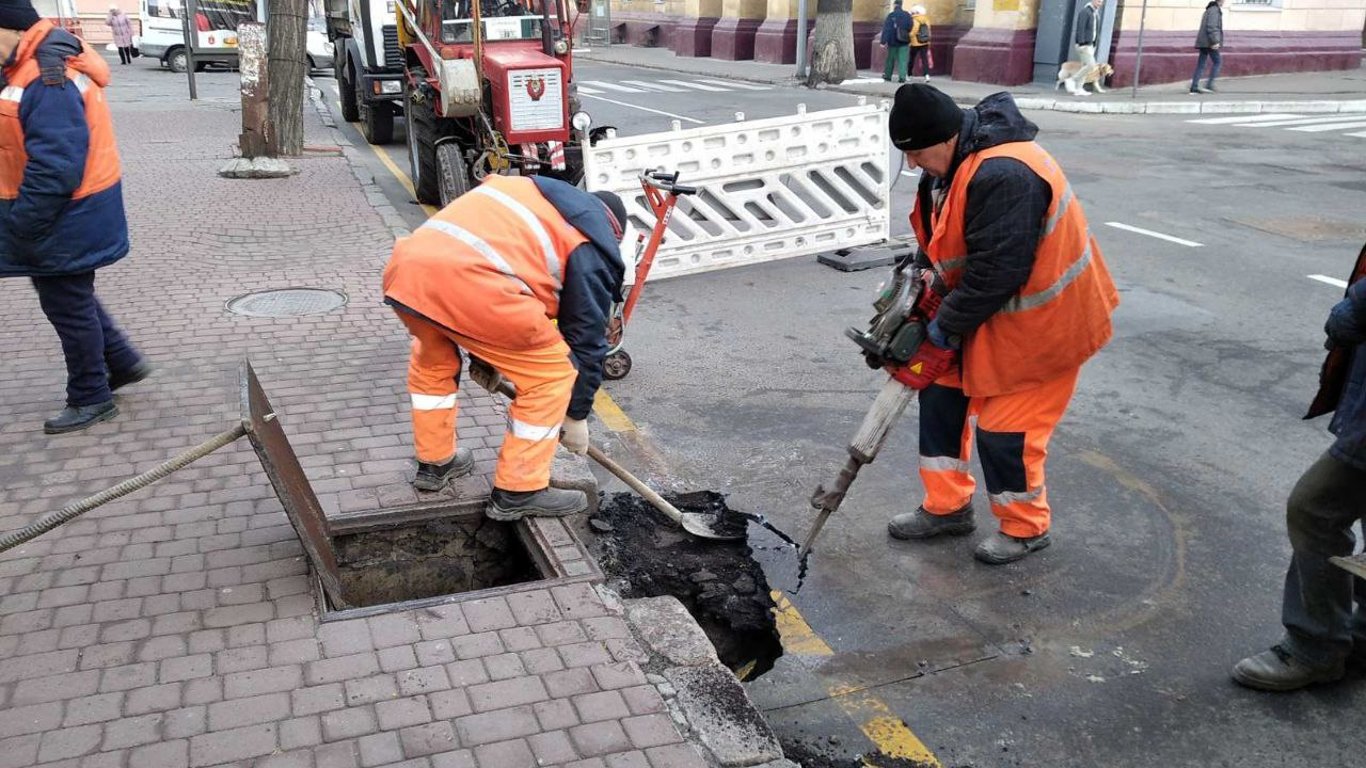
[(699, 524)]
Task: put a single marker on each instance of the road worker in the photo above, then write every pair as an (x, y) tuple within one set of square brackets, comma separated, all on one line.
[(1024, 300), (521, 273), (61, 204)]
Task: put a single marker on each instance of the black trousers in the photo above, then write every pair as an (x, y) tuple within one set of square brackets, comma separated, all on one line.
[(92, 345), (125, 54)]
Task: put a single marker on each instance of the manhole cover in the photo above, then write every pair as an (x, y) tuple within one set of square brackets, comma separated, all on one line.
[(289, 302)]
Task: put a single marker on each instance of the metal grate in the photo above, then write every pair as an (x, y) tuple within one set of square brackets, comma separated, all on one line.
[(393, 53), (290, 302)]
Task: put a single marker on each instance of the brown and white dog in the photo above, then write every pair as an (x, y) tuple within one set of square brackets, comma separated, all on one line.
[(1097, 75)]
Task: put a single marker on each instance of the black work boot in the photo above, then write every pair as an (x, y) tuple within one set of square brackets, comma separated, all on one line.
[(120, 379), (920, 524), (1277, 670), (1001, 548), (76, 418), (547, 502), (434, 477)]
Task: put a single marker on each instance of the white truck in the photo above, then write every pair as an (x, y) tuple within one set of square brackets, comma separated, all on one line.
[(215, 25), (368, 62)]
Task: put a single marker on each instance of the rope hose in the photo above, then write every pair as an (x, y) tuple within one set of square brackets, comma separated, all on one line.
[(72, 511)]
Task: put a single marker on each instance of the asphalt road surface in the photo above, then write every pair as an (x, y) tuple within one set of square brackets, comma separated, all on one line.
[(1168, 476)]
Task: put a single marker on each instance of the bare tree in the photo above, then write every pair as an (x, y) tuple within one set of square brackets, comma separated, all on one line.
[(287, 33), (832, 53)]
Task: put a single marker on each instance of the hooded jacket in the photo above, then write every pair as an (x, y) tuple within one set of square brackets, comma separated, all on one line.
[(1211, 27), (1004, 217), (61, 197)]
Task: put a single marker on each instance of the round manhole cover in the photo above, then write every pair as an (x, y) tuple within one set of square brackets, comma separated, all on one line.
[(289, 302)]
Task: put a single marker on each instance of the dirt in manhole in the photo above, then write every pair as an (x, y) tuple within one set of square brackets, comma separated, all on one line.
[(717, 581), (810, 755), (439, 557)]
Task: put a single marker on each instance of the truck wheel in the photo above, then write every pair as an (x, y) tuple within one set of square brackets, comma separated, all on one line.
[(376, 122), (455, 172), (421, 150), (350, 106), (178, 61)]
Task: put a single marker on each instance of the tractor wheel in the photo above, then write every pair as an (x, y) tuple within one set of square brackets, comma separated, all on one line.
[(421, 146), (376, 122), (454, 178), (350, 106)]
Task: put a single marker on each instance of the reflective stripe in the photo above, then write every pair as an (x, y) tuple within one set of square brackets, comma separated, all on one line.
[(1035, 300), (12, 93), (944, 464), (552, 260), (1015, 497), (468, 238), (525, 431), (1064, 202), (83, 83), (432, 402), (950, 264)]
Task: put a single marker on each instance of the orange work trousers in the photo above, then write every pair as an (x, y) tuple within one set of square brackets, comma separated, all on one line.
[(544, 379), (1012, 438)]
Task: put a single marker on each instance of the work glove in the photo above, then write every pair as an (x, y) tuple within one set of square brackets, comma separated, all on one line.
[(574, 436), (1343, 328), (931, 294), (927, 364), (485, 375)]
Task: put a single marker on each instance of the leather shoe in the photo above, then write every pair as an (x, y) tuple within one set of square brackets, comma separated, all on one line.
[(434, 477), (121, 379), (76, 418), (920, 524), (1277, 670), (1000, 548)]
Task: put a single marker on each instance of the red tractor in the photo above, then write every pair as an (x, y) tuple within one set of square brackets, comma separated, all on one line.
[(487, 89)]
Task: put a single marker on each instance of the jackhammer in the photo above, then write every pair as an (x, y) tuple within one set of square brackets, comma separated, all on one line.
[(895, 333)]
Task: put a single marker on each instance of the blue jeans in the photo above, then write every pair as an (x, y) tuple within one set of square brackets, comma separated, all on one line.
[(1213, 55), (1321, 625), (92, 345)]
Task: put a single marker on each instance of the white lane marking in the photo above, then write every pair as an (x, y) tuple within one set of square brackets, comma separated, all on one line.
[(912, 174), (1333, 281), (653, 86), (735, 84), (1150, 233), (1361, 135), (1244, 118), (695, 86), (583, 50), (588, 90), (1302, 121), (1332, 127), (645, 109), (612, 86)]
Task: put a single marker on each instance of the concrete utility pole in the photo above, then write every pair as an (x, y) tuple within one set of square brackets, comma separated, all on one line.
[(802, 11), (251, 45), (287, 33)]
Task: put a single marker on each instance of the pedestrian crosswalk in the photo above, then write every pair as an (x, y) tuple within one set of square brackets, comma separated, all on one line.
[(1345, 123), (698, 85)]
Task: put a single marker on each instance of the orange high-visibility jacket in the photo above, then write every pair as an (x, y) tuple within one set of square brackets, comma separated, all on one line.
[(1061, 317), (61, 202)]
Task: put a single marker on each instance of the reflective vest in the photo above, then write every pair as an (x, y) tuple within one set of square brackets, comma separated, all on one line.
[(490, 265), (1060, 318), (89, 74)]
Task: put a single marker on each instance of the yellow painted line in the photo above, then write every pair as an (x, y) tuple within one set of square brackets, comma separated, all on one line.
[(400, 175), (877, 721)]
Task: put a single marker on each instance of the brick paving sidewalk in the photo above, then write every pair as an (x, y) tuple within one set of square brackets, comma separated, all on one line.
[(177, 627)]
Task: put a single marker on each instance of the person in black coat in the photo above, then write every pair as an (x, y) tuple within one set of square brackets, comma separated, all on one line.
[(1323, 633), (1209, 40)]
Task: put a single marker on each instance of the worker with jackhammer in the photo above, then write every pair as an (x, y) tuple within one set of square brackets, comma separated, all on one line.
[(521, 273), (1020, 300)]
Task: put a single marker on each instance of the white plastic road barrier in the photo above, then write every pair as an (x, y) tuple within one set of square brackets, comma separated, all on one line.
[(768, 189)]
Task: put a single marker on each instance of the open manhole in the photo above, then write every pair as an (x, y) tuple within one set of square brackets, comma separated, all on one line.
[(287, 302), (436, 557)]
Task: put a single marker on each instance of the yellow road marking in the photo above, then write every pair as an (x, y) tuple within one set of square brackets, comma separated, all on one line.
[(891, 735), (400, 175)]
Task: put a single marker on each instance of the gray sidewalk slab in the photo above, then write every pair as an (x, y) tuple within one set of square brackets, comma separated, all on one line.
[(1306, 92)]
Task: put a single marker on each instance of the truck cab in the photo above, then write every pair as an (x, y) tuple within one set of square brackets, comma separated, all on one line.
[(368, 64)]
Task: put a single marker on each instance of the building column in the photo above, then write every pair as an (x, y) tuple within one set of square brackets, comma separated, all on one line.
[(1000, 46), (776, 40), (692, 34), (646, 23), (733, 37)]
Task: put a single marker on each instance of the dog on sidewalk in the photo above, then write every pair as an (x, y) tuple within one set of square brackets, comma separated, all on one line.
[(1096, 76)]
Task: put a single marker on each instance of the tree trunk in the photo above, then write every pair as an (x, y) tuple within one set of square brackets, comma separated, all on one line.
[(287, 33), (832, 53)]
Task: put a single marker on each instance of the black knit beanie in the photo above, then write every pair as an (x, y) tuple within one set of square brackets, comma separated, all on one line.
[(614, 205), (17, 14), (922, 116)]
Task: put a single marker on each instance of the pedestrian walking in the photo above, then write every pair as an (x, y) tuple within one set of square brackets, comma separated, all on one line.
[(521, 273), (61, 203), (920, 41), (1323, 633), (1086, 36), (122, 28), (1024, 299), (896, 38), (1209, 41)]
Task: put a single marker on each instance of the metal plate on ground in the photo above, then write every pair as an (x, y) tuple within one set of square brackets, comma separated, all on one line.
[(291, 484), (287, 302)]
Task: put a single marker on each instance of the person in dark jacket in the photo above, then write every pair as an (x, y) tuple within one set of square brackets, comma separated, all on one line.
[(1209, 40), (1086, 36), (1024, 299), (61, 203), (1323, 635), (896, 38)]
